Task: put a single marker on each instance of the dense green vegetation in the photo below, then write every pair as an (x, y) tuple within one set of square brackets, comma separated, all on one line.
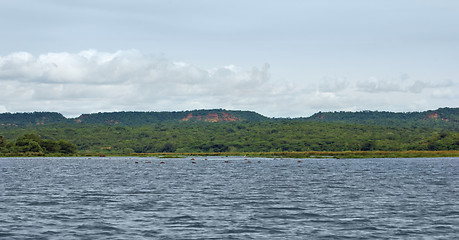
[(128, 118), (33, 145), (214, 131), (445, 118), (243, 137), (35, 118), (142, 118)]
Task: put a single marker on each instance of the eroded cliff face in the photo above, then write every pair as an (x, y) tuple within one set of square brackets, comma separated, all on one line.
[(436, 116), (441, 118), (212, 117)]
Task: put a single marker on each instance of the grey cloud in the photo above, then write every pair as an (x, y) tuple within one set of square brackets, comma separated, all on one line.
[(404, 76), (417, 86), (123, 79), (381, 94), (93, 81), (376, 85), (333, 84)]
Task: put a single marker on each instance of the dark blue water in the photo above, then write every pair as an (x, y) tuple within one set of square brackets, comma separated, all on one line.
[(115, 198)]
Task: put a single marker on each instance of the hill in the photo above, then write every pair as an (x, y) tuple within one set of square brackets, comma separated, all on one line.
[(206, 131), (446, 118), (29, 119), (442, 118), (130, 118), (142, 118)]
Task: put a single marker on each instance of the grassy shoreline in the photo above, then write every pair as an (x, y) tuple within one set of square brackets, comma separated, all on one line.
[(317, 154), (309, 154)]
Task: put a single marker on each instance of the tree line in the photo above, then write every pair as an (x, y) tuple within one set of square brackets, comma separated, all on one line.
[(33, 144), (442, 118), (203, 137)]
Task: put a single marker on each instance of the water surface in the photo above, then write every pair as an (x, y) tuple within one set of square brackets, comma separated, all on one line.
[(117, 198)]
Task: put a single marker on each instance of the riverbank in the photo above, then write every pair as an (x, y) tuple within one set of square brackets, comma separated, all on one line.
[(309, 154)]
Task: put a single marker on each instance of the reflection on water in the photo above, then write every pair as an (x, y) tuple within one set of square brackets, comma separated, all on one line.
[(228, 198)]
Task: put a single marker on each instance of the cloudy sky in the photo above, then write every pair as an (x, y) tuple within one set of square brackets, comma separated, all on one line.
[(279, 58)]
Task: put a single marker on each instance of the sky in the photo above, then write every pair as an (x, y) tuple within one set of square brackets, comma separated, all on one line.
[(279, 58)]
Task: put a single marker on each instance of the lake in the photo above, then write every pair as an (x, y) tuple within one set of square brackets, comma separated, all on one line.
[(229, 198)]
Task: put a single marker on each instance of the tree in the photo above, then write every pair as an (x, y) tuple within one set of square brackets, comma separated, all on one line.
[(50, 146), (31, 136), (28, 145), (168, 147), (67, 147)]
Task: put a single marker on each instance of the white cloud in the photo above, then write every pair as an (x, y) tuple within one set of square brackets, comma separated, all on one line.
[(93, 81), (124, 80), (333, 84), (376, 85), (404, 84)]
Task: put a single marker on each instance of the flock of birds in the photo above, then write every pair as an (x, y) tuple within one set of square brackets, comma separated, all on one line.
[(193, 161)]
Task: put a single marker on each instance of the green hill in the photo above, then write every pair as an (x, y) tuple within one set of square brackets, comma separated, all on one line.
[(28, 119), (142, 118), (442, 118), (130, 118), (446, 118), (219, 130)]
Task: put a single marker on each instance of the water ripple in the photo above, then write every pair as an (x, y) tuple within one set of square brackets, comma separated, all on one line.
[(101, 198)]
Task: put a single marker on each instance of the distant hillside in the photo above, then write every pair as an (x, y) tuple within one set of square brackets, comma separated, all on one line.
[(141, 118), (130, 118), (442, 117), (34, 118), (239, 131)]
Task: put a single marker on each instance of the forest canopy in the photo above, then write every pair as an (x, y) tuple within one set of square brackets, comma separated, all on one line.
[(33, 144), (209, 131)]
